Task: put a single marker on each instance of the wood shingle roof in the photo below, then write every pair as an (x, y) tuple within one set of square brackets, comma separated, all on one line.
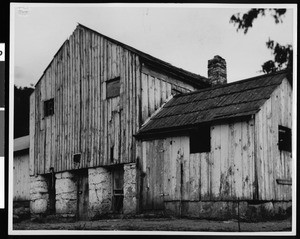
[(237, 99)]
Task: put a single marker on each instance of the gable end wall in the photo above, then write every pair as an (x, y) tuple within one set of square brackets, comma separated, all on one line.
[(101, 130), (271, 163)]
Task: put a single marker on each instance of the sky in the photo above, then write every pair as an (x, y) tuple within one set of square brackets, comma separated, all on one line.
[(185, 35)]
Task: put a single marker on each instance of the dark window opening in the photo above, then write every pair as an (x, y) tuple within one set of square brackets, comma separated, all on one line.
[(284, 138), (200, 140), (76, 158), (49, 107), (112, 154), (113, 88)]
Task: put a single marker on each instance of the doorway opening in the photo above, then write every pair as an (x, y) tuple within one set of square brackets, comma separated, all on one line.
[(50, 179), (82, 193), (118, 192)]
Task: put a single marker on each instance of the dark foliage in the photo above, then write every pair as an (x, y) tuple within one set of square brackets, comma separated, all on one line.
[(283, 55), (245, 22), (21, 111)]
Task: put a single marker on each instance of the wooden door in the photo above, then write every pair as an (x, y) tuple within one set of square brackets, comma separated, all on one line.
[(153, 195), (118, 193), (82, 194)]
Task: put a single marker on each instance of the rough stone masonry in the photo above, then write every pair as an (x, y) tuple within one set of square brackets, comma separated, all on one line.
[(99, 191)]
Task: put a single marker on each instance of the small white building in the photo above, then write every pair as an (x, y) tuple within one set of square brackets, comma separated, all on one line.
[(21, 181)]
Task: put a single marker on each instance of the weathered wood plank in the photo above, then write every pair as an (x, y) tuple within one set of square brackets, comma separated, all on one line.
[(245, 162), (32, 134), (93, 112), (186, 174), (134, 109), (215, 160), (105, 105), (130, 102), (144, 97), (71, 98), (56, 109), (237, 160), (194, 183), (151, 95), (37, 128), (163, 91), (224, 159), (97, 93), (168, 90)]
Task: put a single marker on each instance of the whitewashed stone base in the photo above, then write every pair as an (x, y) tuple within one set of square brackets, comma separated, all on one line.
[(66, 194), (130, 189), (100, 191), (38, 195)]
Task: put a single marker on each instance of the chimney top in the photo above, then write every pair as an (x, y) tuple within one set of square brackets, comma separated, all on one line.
[(217, 72)]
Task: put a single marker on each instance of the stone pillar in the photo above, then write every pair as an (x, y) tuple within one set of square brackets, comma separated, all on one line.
[(130, 189), (100, 191), (66, 194), (38, 195)]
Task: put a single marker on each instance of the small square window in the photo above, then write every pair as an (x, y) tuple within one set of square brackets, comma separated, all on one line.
[(284, 138), (200, 140), (49, 107), (76, 158), (113, 88)]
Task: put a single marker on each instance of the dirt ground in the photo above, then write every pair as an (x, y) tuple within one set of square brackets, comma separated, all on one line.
[(157, 224)]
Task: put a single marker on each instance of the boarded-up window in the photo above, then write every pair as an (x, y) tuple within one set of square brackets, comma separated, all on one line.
[(200, 140), (113, 88), (49, 107), (285, 138)]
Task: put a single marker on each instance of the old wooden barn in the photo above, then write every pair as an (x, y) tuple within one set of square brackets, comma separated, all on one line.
[(92, 98), (115, 130), (207, 151)]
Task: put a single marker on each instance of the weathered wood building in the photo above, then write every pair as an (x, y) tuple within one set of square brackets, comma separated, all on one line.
[(206, 152), (115, 130), (92, 98)]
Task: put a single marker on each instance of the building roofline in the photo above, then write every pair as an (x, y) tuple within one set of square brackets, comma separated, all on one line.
[(186, 76), (231, 83), (185, 130), (149, 132)]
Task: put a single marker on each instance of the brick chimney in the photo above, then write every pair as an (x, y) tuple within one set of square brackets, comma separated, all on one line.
[(217, 73)]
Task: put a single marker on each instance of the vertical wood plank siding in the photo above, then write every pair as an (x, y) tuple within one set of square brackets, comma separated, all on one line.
[(32, 128), (272, 163), (84, 121), (225, 173), (157, 88), (243, 164), (21, 178)]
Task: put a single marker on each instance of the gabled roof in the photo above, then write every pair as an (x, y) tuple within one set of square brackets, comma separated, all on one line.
[(237, 99), (196, 79), (189, 77)]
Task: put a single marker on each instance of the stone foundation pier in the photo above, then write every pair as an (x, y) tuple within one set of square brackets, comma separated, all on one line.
[(66, 194), (100, 191), (130, 189), (38, 195)]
